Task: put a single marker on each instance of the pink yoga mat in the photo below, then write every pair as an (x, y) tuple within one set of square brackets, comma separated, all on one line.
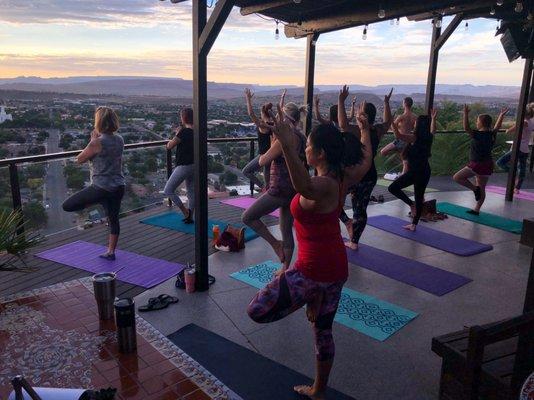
[(245, 202), (501, 190)]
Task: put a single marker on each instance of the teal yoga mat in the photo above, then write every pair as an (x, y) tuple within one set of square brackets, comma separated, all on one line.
[(173, 220), (368, 315), (495, 221)]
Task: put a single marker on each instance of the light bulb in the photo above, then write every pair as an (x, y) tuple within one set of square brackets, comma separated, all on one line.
[(391, 21), (364, 36), (276, 34), (500, 2), (466, 26), (518, 7), (397, 22), (437, 23), (492, 11), (381, 12)]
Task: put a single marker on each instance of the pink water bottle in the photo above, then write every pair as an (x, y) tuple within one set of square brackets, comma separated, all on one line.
[(190, 275)]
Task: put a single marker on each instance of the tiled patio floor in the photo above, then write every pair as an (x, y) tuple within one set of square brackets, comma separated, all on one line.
[(52, 336)]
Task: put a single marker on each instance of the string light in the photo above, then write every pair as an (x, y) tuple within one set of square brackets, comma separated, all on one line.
[(297, 1), (437, 22), (518, 7), (466, 26), (276, 32), (500, 2), (492, 11), (397, 22), (381, 12), (364, 36), (391, 21)]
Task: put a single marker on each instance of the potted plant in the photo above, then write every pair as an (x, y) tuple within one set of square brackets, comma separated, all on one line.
[(14, 243)]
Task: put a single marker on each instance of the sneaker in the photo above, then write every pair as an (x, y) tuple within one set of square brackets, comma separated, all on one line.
[(391, 176)]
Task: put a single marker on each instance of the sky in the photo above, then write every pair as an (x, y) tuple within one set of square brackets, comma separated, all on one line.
[(60, 38)]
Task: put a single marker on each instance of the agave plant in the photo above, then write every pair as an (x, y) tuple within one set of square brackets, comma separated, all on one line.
[(13, 242)]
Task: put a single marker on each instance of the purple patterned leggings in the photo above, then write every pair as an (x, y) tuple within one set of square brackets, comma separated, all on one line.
[(291, 291)]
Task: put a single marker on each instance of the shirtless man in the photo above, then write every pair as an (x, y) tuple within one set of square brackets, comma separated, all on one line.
[(406, 123)]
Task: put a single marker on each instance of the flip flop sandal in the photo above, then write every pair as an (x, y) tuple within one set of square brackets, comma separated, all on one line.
[(380, 198), (158, 303)]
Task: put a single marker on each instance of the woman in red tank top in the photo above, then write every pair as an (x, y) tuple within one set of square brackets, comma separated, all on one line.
[(321, 270)]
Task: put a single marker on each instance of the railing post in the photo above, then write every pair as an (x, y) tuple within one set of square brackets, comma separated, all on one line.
[(15, 192), (169, 171), (252, 155)]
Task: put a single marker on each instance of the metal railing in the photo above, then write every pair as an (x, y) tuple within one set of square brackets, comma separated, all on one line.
[(13, 163)]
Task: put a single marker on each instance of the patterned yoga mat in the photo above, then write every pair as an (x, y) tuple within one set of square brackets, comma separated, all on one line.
[(366, 314), (133, 268)]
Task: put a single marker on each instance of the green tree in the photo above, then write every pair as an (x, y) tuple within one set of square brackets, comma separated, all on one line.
[(35, 214)]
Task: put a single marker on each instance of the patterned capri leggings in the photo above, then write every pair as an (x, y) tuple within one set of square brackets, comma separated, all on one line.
[(360, 196), (291, 291)]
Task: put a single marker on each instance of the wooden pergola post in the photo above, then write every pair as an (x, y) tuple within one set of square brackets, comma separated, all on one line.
[(438, 40), (204, 34), (520, 117), (311, 42)]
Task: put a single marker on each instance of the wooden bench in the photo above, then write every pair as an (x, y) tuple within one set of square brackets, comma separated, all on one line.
[(490, 362)]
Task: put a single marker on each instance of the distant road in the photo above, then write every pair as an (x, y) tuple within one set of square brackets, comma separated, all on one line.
[(56, 189)]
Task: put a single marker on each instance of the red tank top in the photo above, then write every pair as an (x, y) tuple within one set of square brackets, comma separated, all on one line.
[(321, 252)]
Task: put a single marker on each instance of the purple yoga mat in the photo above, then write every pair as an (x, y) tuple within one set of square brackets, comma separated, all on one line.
[(245, 202), (501, 190), (414, 273), (430, 237), (138, 269)]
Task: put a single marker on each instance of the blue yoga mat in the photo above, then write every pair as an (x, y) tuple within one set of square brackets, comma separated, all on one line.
[(368, 315), (414, 273), (430, 237), (172, 220)]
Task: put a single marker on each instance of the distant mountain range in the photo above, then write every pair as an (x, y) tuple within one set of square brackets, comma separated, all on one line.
[(181, 88)]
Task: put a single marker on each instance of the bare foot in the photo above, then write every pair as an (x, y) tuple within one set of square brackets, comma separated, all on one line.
[(410, 227), (309, 391), (279, 250), (516, 191), (412, 210), (352, 245), (313, 307), (348, 225)]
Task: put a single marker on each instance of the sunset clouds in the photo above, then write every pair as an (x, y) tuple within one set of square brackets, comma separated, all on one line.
[(153, 38)]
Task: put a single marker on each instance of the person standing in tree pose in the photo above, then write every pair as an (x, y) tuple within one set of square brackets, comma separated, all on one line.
[(185, 168), (104, 154), (524, 151), (264, 129), (321, 269), (480, 158), (405, 123), (280, 190), (417, 154), (361, 193), (333, 113)]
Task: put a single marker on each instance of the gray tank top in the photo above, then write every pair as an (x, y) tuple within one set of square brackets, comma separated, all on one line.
[(106, 166)]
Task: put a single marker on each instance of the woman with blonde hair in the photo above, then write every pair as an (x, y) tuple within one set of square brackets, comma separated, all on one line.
[(504, 161), (281, 189), (104, 154)]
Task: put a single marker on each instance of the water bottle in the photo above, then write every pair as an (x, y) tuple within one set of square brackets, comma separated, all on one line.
[(125, 320), (190, 277)]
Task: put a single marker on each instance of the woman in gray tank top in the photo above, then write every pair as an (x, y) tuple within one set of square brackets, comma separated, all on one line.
[(104, 154)]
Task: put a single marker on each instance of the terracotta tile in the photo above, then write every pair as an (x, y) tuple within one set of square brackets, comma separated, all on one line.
[(125, 383), (146, 373), (153, 358), (154, 385), (72, 302), (135, 393), (97, 379), (114, 374), (197, 395), (133, 365), (174, 376), (105, 365), (167, 394), (164, 366), (184, 387)]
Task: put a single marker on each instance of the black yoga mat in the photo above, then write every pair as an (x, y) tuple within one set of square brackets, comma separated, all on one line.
[(246, 372)]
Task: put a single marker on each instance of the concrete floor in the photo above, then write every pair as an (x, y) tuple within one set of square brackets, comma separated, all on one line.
[(402, 367)]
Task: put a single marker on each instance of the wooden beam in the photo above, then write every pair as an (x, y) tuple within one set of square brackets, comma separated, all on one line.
[(310, 79), (200, 122), (448, 32), (432, 70), (359, 16), (523, 100), (214, 25), (264, 6), (462, 8)]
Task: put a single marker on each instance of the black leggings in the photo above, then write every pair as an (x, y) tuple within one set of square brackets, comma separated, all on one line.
[(418, 177), (360, 197), (111, 201)]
